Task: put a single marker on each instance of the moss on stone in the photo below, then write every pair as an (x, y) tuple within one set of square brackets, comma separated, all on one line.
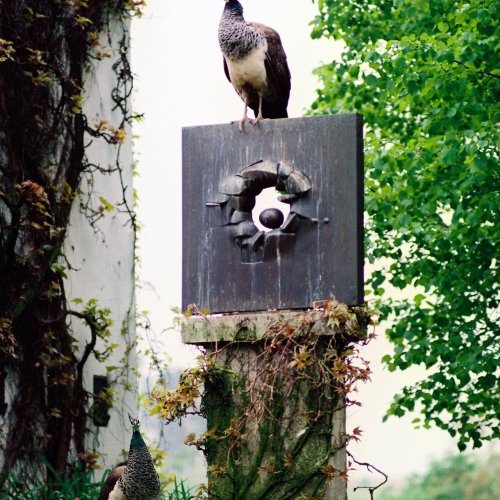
[(284, 455)]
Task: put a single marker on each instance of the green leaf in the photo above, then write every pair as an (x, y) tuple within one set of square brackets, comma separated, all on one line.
[(443, 27), (371, 79), (386, 359), (418, 299), (106, 205)]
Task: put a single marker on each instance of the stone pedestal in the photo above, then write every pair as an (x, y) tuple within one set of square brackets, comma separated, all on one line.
[(275, 421)]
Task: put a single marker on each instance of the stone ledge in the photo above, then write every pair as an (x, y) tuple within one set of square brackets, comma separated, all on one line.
[(243, 327)]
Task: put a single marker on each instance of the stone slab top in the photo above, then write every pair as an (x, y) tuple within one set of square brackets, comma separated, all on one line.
[(246, 327)]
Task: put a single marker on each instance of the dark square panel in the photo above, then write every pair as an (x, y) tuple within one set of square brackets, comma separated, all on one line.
[(317, 165)]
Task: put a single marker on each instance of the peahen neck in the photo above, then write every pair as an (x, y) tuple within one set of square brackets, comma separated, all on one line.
[(237, 38), (137, 441)]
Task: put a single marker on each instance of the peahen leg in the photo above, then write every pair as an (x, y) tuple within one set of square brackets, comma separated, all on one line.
[(259, 115), (245, 118)]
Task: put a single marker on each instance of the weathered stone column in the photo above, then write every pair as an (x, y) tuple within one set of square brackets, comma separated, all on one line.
[(276, 430)]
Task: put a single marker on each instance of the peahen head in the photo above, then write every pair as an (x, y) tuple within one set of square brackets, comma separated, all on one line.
[(136, 441), (234, 7), (135, 423)]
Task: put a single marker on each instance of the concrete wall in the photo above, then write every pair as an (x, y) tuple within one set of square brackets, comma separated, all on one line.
[(102, 256)]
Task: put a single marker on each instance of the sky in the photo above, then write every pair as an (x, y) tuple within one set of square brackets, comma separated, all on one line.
[(180, 82)]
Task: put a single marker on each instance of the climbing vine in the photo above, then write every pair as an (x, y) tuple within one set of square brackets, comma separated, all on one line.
[(310, 360), (47, 48)]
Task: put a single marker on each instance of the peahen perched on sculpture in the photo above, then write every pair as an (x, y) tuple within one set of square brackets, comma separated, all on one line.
[(138, 479), (255, 63)]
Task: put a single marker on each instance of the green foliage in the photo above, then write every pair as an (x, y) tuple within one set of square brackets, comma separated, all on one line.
[(456, 477), (270, 402), (79, 484), (179, 492), (48, 49), (425, 76)]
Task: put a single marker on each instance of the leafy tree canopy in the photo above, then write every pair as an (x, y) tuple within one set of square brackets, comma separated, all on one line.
[(425, 76)]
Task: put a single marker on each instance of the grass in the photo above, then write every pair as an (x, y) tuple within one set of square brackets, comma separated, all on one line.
[(80, 484), (179, 492)]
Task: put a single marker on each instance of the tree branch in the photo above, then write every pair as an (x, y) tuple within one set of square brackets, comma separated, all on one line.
[(370, 468)]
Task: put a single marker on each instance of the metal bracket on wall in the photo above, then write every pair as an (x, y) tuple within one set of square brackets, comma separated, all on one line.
[(100, 407)]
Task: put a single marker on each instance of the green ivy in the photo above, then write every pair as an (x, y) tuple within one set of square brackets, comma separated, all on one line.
[(425, 75), (48, 48)]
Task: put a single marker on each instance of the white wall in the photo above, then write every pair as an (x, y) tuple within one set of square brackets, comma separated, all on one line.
[(103, 257)]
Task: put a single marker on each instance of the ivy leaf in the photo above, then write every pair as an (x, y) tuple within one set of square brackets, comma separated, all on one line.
[(105, 206)]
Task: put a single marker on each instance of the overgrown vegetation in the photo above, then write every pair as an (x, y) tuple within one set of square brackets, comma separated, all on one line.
[(47, 49), (270, 403), (425, 76)]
